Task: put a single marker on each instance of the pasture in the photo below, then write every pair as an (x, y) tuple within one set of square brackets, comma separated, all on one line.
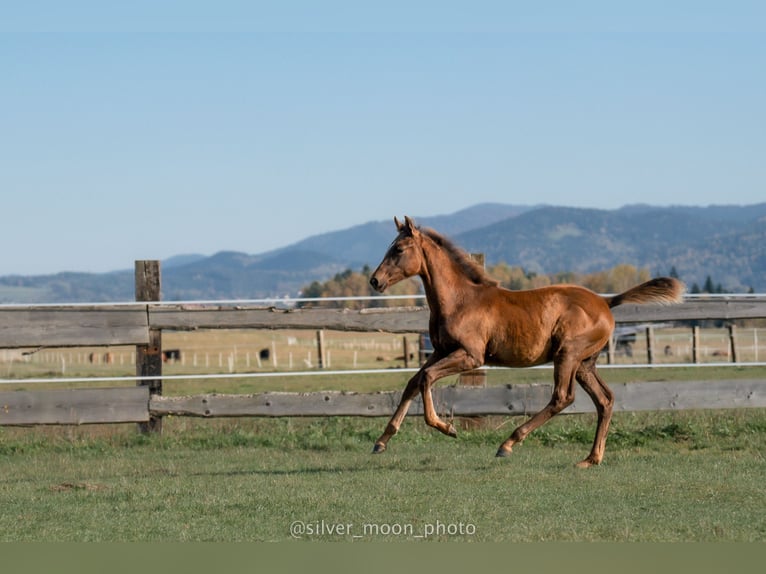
[(667, 476), (674, 476)]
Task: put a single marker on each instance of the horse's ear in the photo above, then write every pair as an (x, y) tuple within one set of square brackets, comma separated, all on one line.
[(407, 227), (410, 225)]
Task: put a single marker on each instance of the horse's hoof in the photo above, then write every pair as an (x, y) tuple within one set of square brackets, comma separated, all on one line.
[(502, 453), (378, 448), (587, 463), (452, 432)]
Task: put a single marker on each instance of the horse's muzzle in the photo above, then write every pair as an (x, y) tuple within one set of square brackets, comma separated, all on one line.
[(377, 285)]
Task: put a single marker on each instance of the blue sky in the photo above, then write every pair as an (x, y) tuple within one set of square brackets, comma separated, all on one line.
[(144, 130)]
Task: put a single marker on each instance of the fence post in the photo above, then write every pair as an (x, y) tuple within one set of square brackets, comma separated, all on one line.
[(610, 350), (732, 342), (695, 344), (406, 350), (650, 345), (320, 349), (149, 357)]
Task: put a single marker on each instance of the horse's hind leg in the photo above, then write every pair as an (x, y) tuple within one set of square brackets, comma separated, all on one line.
[(603, 398), (563, 396)]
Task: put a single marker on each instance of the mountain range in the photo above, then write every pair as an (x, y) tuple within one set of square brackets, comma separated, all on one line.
[(725, 242)]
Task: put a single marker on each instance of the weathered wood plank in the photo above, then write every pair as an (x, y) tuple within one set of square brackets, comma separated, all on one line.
[(629, 397), (134, 404), (393, 320), (73, 326), (277, 404), (412, 319), (468, 401), (74, 406), (679, 395), (693, 309)]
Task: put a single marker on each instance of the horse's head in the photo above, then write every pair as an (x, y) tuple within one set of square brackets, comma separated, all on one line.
[(403, 259)]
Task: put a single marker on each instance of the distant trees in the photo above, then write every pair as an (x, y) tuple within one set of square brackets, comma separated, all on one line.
[(708, 287), (516, 277), (356, 283), (346, 284), (615, 280)]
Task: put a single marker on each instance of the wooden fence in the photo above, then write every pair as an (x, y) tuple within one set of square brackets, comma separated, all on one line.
[(142, 323)]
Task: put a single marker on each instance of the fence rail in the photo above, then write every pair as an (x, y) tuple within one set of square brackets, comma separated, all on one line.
[(136, 404), (82, 326), (468, 401), (142, 323)]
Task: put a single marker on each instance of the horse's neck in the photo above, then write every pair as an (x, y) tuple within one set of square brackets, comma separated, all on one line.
[(443, 280)]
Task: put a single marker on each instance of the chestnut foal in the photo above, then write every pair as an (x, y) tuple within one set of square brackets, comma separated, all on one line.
[(474, 322)]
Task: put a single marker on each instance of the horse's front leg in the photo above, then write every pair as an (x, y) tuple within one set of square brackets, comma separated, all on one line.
[(410, 391), (457, 362)]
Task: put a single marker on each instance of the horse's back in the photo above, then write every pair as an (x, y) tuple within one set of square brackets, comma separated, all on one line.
[(575, 306), (533, 323), (556, 298)]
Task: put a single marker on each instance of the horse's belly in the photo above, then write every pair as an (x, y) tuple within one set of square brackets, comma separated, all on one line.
[(519, 356)]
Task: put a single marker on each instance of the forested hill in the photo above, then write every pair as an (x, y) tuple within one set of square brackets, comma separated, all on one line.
[(726, 243)]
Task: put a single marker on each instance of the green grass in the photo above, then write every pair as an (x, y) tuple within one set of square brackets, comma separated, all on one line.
[(695, 476), (691, 476)]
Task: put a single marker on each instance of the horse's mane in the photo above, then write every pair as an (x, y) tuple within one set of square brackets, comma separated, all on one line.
[(472, 270)]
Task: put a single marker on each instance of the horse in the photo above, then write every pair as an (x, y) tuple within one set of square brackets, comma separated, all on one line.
[(474, 322)]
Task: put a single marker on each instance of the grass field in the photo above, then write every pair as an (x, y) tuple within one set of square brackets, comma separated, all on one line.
[(666, 477), (673, 476)]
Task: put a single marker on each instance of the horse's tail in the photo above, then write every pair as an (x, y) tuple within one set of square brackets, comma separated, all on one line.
[(662, 290)]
